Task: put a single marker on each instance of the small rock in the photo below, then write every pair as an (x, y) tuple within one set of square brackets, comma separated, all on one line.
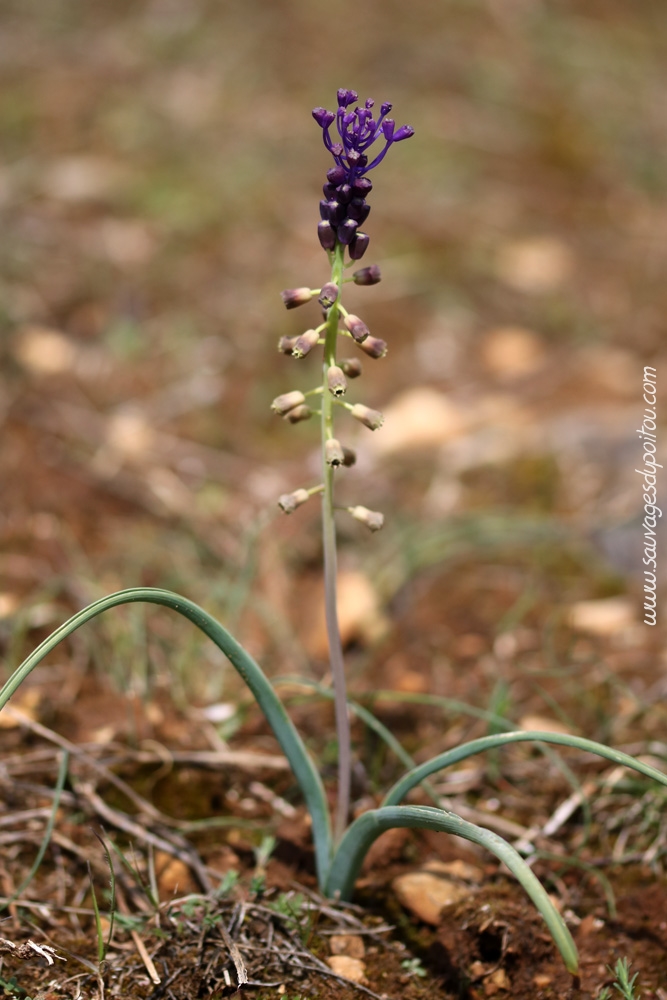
[(129, 434), (543, 724), (173, 875), (604, 617), (496, 982), (9, 604), (511, 352), (351, 945), (350, 968), (44, 351), (535, 265), (541, 980), (417, 418), (104, 734), (455, 869), (425, 894)]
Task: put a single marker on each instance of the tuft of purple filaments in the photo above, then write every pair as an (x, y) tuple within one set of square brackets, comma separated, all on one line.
[(344, 208)]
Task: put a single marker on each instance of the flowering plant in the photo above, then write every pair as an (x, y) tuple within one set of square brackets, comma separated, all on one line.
[(340, 848)]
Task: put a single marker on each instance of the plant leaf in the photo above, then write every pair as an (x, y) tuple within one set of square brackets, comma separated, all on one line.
[(398, 792), (361, 834), (291, 743)]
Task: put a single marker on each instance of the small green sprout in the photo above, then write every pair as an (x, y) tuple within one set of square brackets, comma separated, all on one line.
[(414, 967), (623, 983)]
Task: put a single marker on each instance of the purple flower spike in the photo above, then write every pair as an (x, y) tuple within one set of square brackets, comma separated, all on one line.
[(347, 183)]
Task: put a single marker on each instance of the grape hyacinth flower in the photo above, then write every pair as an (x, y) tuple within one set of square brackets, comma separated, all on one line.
[(343, 211)]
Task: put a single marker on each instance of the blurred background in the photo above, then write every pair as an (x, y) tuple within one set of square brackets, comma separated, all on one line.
[(159, 187)]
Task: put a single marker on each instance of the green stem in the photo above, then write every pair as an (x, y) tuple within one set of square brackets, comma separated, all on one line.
[(330, 571)]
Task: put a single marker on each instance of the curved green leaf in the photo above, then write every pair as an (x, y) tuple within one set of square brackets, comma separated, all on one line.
[(291, 743), (398, 792), (357, 840)]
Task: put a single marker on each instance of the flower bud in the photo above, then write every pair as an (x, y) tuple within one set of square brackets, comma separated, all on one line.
[(374, 347), (370, 418), (283, 404), (357, 327), (333, 453), (336, 175), (335, 211), (346, 231), (298, 414), (373, 519), (358, 245), (328, 295), (305, 343), (289, 502), (326, 235), (349, 457), (362, 187), (352, 367), (367, 275), (286, 344), (344, 193), (293, 297), (358, 210), (336, 381)]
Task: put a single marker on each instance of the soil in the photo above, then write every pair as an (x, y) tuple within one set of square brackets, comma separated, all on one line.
[(159, 187)]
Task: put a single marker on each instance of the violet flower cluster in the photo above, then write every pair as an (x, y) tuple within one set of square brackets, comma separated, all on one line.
[(343, 210), (344, 207)]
